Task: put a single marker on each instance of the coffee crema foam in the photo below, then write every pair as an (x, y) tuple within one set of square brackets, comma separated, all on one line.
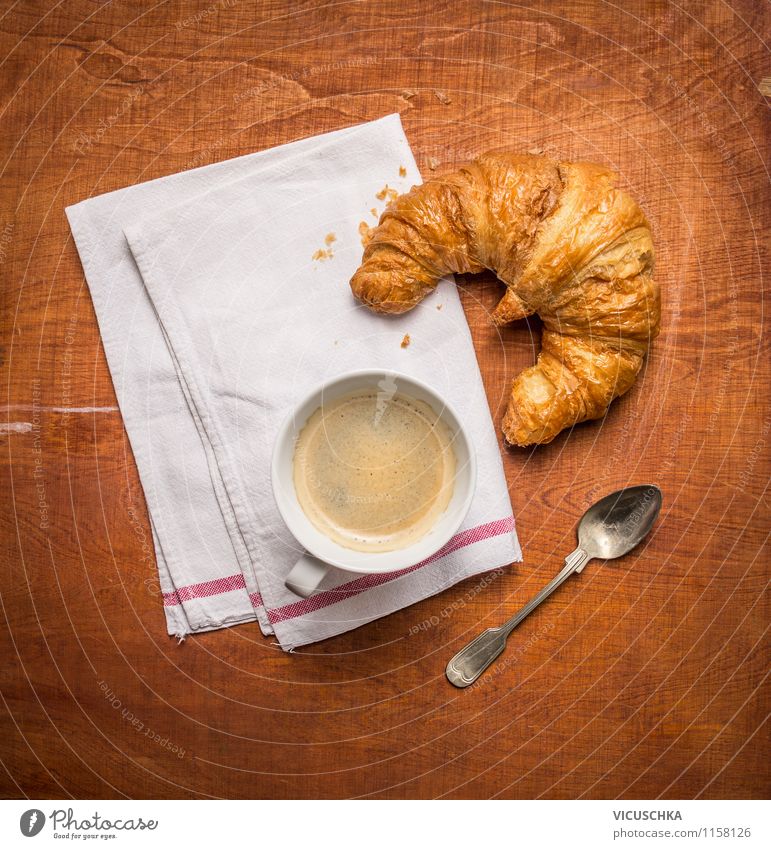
[(374, 473)]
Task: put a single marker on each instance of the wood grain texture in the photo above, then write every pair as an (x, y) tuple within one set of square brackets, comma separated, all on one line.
[(642, 679)]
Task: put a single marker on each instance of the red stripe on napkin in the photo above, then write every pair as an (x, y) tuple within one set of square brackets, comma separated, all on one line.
[(367, 582), (344, 591), (205, 589)]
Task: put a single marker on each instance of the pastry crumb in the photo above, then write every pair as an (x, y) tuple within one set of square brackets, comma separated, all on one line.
[(442, 97), (439, 306), (365, 232), (402, 171), (432, 163), (408, 93), (373, 211), (406, 341), (387, 194), (325, 253)]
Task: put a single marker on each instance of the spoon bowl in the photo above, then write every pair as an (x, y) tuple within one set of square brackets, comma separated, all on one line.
[(615, 524)]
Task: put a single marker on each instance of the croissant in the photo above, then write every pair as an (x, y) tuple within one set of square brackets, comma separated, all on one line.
[(569, 246)]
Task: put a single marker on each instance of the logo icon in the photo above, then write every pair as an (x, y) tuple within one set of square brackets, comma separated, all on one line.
[(32, 822)]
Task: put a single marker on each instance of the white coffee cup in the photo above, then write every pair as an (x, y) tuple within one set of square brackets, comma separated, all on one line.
[(321, 552)]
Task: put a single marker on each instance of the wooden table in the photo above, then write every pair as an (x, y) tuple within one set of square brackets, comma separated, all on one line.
[(644, 678)]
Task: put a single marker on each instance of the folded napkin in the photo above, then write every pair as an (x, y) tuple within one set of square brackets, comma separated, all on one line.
[(222, 297)]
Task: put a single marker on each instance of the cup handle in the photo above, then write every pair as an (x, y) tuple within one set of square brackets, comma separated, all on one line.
[(306, 575)]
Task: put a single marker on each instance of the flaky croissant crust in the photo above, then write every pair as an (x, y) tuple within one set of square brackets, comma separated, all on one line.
[(569, 246)]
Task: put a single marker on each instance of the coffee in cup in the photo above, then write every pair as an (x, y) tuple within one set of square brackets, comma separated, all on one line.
[(374, 470)]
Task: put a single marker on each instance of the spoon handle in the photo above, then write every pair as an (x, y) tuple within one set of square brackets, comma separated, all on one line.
[(472, 660)]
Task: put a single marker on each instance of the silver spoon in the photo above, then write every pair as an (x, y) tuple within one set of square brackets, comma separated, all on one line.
[(610, 528)]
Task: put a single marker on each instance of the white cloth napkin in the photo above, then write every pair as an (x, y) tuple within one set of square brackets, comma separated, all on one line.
[(216, 319)]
